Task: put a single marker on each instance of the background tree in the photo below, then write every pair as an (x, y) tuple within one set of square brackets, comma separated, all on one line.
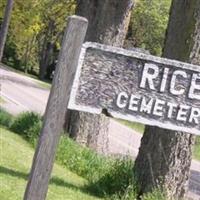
[(53, 16), (35, 33), (108, 24), (148, 24), (4, 26), (164, 157), (36, 30)]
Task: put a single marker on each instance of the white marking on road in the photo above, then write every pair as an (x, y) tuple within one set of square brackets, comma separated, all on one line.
[(14, 101)]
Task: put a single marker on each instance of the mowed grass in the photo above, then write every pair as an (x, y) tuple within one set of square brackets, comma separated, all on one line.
[(2, 100), (15, 162), (133, 125), (196, 150)]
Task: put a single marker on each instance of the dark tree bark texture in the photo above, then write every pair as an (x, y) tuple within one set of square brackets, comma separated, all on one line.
[(165, 156), (5, 25), (108, 24)]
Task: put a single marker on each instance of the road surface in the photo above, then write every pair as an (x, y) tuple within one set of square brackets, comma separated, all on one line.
[(21, 93)]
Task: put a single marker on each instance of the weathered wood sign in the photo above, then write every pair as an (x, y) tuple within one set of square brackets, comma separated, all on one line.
[(137, 87)]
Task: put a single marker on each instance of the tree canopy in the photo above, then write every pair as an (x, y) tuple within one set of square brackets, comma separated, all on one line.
[(37, 26)]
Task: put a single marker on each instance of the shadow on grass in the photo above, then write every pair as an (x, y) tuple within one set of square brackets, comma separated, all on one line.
[(54, 180), (105, 186)]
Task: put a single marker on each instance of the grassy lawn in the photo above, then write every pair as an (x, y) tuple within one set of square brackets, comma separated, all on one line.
[(196, 151), (15, 161), (44, 85), (2, 100), (133, 125)]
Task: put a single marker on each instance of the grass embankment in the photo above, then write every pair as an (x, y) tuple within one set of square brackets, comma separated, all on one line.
[(102, 177), (196, 151), (133, 125), (2, 100), (15, 162), (106, 177)]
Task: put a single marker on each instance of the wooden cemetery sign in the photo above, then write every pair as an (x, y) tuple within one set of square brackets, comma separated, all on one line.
[(137, 87), (129, 85)]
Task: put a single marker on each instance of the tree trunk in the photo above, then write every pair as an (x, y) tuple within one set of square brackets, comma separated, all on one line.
[(165, 156), (5, 25), (47, 50), (45, 61), (108, 24)]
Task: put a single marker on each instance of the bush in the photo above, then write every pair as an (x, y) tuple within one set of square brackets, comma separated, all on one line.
[(80, 160), (156, 194), (5, 118), (33, 132), (116, 179), (106, 176), (27, 124)]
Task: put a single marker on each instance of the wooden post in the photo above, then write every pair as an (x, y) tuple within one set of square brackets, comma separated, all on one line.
[(56, 108)]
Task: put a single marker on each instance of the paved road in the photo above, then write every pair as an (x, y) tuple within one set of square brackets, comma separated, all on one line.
[(22, 93)]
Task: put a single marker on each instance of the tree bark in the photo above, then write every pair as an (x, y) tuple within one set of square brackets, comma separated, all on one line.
[(45, 61), (5, 25), (46, 53), (108, 24), (165, 156)]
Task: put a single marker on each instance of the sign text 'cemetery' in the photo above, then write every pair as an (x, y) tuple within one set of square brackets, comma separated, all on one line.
[(137, 87)]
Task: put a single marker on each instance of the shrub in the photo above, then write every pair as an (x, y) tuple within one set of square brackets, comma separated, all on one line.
[(118, 178), (81, 160), (106, 176), (5, 118), (27, 124), (156, 194), (33, 132)]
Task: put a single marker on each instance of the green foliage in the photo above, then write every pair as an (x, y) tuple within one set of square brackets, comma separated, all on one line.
[(129, 194), (5, 118), (110, 178), (157, 194), (37, 26), (33, 132), (28, 125), (16, 158), (148, 24), (117, 179), (34, 25), (83, 161)]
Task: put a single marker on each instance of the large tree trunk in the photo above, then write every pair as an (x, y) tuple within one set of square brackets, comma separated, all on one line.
[(165, 156), (5, 25), (108, 24)]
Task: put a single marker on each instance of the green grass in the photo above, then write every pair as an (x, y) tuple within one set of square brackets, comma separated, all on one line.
[(6, 119), (15, 162), (44, 85), (106, 177), (133, 125), (196, 150), (2, 100)]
